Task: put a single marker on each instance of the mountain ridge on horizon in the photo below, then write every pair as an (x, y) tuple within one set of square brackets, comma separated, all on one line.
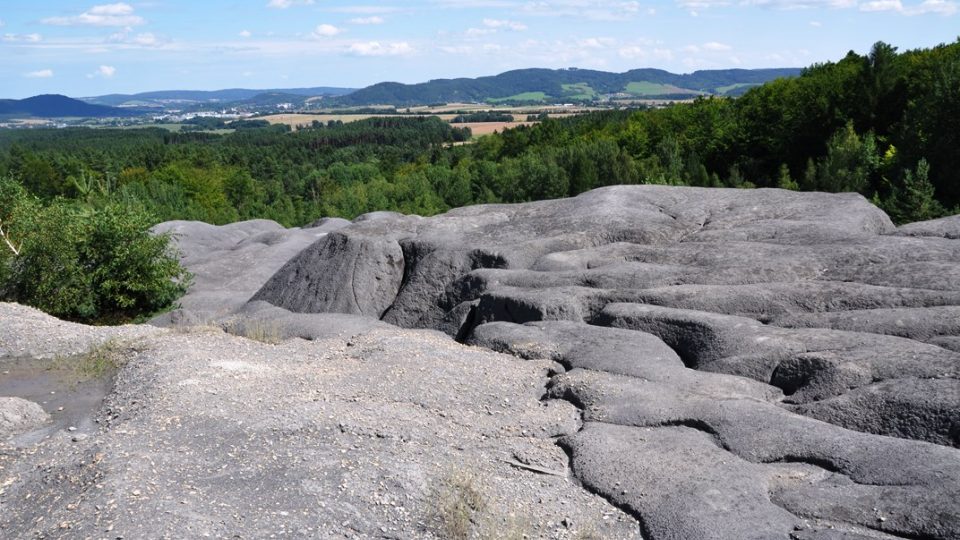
[(530, 85), (555, 84), (59, 106), (573, 84)]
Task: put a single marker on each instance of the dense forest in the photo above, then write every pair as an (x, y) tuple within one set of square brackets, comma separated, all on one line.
[(886, 125), (75, 204), (562, 85)]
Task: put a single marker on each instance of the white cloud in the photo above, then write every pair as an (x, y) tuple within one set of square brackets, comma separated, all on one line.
[(325, 31), (22, 38), (715, 46), (365, 10), (882, 5), (2, 24), (457, 49), (375, 48), (596, 43), (506, 24), (477, 32), (711, 46), (636, 52), (284, 4), (245, 33), (594, 10), (816, 24), (367, 20), (119, 14), (147, 39), (801, 4), (103, 71), (40, 74), (940, 7), (633, 52)]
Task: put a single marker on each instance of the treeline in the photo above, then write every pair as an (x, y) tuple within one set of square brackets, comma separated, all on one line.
[(487, 116), (885, 125), (336, 169)]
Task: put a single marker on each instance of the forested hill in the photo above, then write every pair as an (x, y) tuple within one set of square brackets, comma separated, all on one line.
[(162, 97), (575, 85), (57, 106), (885, 124)]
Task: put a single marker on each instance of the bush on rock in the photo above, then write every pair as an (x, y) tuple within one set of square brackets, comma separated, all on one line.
[(84, 263)]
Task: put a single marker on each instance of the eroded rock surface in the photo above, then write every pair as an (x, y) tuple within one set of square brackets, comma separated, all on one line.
[(748, 364), (230, 262), (374, 432), (679, 363)]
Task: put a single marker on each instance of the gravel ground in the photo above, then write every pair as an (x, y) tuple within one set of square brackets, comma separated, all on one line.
[(387, 434)]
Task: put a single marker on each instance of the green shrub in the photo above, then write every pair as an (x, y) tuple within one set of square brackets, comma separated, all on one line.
[(81, 263)]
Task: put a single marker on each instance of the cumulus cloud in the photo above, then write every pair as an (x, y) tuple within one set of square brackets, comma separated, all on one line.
[(284, 4), (245, 33), (326, 31), (39, 74), (375, 48), (103, 71), (119, 14)]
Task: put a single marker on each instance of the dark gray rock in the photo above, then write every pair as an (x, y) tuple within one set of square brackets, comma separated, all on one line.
[(914, 485), (948, 227), (750, 364), (747, 364), (265, 322), (358, 274), (328, 224), (230, 263), (922, 324)]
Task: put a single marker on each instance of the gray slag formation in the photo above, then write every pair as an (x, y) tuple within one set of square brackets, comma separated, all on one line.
[(748, 364)]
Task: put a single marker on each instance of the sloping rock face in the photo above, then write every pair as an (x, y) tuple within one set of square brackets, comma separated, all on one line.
[(747, 364), (364, 432), (230, 262)]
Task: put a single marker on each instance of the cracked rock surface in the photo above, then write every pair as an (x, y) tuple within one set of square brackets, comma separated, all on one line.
[(748, 364), (638, 361), (386, 433)]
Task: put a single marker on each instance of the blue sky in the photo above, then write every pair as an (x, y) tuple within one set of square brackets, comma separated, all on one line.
[(84, 48)]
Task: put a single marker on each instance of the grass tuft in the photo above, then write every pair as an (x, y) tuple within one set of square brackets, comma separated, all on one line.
[(458, 503), (257, 330)]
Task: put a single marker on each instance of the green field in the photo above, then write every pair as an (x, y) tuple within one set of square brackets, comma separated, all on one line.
[(723, 90), (526, 96), (578, 91), (644, 88)]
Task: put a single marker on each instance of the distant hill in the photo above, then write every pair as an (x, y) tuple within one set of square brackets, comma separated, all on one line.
[(167, 98), (574, 85), (57, 106)]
